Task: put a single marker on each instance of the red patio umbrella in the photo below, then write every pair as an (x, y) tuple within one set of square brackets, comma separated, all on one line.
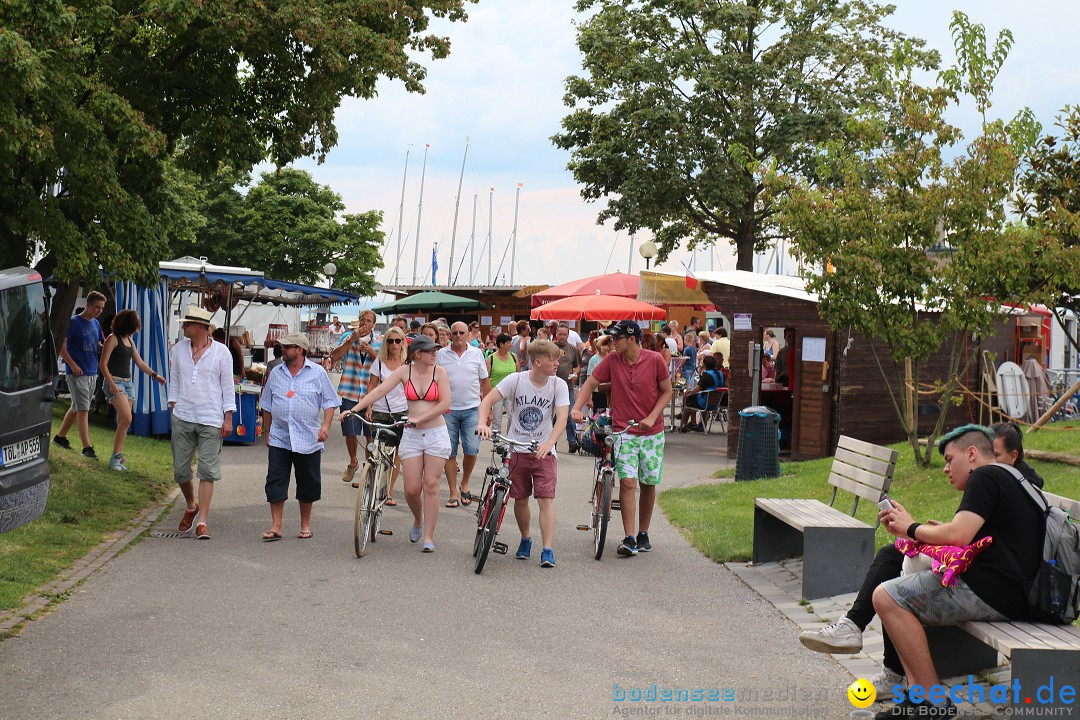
[(619, 284), (598, 307)]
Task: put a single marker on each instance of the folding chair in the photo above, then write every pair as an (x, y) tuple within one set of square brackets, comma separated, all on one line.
[(716, 406)]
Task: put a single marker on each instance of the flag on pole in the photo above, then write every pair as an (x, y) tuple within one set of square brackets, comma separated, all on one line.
[(691, 279), (434, 265)]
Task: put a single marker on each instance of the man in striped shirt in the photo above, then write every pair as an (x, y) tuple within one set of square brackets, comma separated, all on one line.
[(356, 353)]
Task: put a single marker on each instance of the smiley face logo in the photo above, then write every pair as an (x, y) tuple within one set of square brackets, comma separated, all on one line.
[(861, 693)]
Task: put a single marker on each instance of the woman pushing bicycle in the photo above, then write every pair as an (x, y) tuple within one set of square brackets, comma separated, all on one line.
[(425, 443)]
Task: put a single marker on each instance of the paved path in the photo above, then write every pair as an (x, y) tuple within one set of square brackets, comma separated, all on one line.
[(235, 628)]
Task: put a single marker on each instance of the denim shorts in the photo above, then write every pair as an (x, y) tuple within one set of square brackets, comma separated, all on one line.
[(126, 386), (351, 426), (462, 425), (430, 441)]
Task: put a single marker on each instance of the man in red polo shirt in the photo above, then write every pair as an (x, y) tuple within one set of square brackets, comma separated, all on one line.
[(640, 389)]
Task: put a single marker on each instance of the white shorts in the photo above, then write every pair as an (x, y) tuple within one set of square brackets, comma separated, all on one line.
[(430, 441)]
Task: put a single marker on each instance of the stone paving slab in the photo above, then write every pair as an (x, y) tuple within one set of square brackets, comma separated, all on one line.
[(781, 584)]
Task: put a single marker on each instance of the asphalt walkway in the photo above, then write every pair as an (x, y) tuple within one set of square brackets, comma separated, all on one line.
[(238, 628)]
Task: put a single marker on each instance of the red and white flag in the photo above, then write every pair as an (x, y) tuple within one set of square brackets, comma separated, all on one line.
[(691, 279)]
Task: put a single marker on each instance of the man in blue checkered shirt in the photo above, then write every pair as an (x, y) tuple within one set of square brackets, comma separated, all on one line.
[(356, 354)]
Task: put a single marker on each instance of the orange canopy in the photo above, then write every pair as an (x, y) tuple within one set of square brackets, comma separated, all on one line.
[(598, 307)]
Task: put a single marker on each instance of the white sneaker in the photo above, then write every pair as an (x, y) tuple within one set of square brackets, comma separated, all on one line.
[(841, 638), (885, 680)]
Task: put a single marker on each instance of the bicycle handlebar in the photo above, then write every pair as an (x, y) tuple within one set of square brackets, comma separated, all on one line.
[(500, 439), (380, 426)]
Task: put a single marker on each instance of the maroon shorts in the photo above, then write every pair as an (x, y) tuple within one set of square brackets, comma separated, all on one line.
[(532, 476)]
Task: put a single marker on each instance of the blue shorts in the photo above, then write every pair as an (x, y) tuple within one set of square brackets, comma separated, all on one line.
[(351, 426), (126, 387), (462, 425)]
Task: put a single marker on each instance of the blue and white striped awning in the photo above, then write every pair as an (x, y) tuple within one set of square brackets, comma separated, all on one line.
[(151, 413)]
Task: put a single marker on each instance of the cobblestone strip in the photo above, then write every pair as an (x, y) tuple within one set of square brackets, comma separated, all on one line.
[(113, 543)]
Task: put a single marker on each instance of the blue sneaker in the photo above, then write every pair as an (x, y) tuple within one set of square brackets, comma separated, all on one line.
[(628, 547), (524, 549), (547, 558), (643, 544)]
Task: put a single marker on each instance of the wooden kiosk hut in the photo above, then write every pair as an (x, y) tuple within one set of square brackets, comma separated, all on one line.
[(835, 387)]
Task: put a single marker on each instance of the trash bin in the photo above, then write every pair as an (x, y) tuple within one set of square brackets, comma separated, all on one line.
[(759, 444)]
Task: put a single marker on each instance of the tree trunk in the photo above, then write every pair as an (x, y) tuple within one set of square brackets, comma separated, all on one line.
[(63, 304), (744, 243)]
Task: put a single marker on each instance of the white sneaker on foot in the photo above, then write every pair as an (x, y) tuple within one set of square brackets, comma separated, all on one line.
[(885, 680), (841, 638)]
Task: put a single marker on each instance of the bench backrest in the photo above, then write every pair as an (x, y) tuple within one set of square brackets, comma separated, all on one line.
[(1067, 504), (862, 469)]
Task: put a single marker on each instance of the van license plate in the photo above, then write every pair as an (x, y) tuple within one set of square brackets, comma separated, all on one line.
[(20, 452)]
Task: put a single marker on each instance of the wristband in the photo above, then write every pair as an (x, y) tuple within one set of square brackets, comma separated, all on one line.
[(911, 530)]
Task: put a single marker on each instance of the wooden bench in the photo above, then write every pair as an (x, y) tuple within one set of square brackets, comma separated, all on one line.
[(836, 548), (1036, 650)]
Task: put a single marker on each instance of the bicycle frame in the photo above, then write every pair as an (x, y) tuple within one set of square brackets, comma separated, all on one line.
[(496, 476), (375, 489)]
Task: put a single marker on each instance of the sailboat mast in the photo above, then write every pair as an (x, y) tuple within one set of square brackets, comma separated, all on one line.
[(491, 204), (513, 252), (401, 215), (457, 204), (419, 212), (472, 243)]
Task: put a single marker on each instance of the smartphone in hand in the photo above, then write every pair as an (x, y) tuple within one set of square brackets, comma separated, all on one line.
[(886, 504)]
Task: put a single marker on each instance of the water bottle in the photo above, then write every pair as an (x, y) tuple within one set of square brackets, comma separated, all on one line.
[(1057, 598)]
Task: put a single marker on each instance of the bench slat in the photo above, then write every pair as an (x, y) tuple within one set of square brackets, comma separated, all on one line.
[(869, 449), (1044, 634), (873, 494), (1066, 633), (864, 477), (864, 462), (1005, 637), (1000, 636)]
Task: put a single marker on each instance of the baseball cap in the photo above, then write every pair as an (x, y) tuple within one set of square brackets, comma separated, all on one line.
[(625, 328), (300, 340), (421, 343)]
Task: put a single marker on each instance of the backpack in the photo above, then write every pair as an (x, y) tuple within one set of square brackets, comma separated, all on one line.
[(1054, 594)]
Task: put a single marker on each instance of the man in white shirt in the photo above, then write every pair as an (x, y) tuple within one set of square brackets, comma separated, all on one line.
[(468, 373), (202, 399)]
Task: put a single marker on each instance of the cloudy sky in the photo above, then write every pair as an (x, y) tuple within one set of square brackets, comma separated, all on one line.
[(502, 89)]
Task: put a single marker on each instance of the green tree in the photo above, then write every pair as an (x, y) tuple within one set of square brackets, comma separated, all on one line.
[(288, 226), (681, 101), (96, 97), (911, 244), (1050, 202)]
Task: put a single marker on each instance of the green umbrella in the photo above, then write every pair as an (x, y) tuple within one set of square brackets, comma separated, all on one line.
[(430, 301)]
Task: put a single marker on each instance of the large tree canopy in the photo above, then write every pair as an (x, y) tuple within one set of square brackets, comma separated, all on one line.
[(287, 226), (97, 95), (680, 101)]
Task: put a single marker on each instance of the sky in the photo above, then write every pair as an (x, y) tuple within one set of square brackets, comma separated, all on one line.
[(501, 90)]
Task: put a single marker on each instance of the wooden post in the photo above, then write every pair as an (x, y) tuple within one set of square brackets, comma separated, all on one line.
[(1057, 406)]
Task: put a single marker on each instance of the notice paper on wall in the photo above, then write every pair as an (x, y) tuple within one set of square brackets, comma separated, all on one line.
[(486, 320), (813, 349), (744, 321)]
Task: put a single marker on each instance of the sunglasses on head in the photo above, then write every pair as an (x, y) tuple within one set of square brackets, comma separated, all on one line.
[(394, 341)]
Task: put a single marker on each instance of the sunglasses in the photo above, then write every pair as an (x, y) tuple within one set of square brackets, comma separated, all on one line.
[(458, 332), (394, 341)]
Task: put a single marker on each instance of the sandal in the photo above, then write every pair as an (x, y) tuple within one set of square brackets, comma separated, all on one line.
[(271, 536), (391, 501), (453, 503), (466, 498), (305, 535)]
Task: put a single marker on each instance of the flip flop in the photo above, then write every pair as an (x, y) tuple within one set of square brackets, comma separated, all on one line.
[(271, 536), (305, 535), (391, 502), (466, 495), (453, 503)]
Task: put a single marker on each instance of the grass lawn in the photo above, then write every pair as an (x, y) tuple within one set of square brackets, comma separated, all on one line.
[(718, 519), (87, 501)]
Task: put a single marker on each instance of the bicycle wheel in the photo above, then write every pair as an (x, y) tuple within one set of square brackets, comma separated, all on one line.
[(481, 507), (382, 483), (491, 526), (362, 521), (601, 511)]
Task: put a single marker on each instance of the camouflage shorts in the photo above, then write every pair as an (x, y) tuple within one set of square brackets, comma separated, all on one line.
[(641, 457), (923, 596)]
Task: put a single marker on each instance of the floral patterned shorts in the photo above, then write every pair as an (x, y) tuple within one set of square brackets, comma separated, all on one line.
[(641, 457)]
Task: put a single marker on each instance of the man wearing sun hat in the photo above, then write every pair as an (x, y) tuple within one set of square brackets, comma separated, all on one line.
[(202, 398), (298, 404), (640, 390)]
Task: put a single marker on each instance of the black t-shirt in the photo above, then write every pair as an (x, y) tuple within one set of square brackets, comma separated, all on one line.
[(1017, 527)]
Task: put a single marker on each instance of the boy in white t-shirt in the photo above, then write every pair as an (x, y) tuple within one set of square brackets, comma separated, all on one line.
[(538, 411)]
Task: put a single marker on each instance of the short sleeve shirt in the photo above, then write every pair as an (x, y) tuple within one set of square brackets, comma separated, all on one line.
[(394, 401), (83, 337), (570, 357), (465, 372), (635, 389), (532, 408), (297, 405), (1017, 526), (356, 371)]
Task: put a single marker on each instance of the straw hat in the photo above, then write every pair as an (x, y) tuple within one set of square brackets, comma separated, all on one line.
[(197, 315)]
